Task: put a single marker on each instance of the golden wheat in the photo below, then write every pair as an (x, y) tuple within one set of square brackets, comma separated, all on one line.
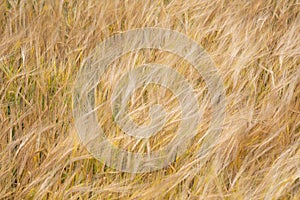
[(254, 44)]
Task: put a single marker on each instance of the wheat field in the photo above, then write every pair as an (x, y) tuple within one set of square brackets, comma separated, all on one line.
[(255, 45)]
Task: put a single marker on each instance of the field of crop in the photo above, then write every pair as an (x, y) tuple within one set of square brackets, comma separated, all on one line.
[(255, 45)]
